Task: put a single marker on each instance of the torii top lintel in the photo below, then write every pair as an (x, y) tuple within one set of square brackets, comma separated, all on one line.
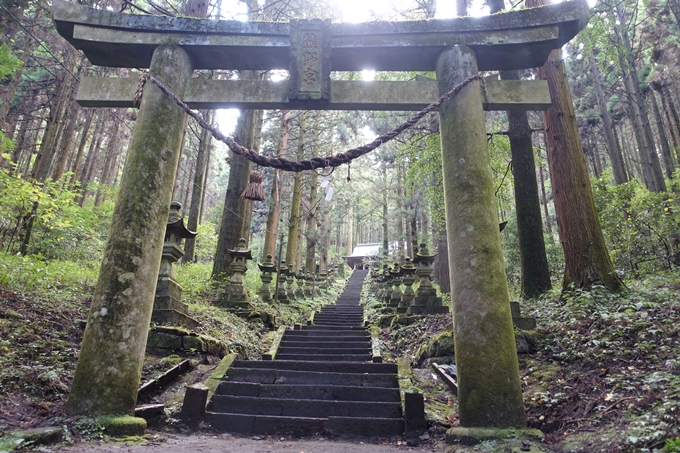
[(509, 40)]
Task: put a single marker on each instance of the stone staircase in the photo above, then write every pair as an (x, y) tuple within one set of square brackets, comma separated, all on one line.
[(321, 381)]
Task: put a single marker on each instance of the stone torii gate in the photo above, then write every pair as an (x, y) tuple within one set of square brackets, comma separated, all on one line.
[(109, 367)]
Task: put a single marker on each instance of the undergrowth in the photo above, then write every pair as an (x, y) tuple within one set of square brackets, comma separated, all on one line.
[(606, 375), (43, 308)]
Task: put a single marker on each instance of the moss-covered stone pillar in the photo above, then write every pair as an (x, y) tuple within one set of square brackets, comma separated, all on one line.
[(489, 389), (110, 363)]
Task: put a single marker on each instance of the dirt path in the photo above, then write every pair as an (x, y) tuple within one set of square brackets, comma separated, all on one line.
[(234, 444)]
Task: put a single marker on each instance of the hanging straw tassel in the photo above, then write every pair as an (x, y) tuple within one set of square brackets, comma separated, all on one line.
[(254, 190)]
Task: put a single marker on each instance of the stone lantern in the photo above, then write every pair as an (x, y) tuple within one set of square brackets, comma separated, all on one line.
[(310, 283), (385, 283), (168, 308), (300, 280), (290, 276), (408, 271), (266, 269), (395, 295), (235, 296), (323, 279), (282, 294), (425, 301)]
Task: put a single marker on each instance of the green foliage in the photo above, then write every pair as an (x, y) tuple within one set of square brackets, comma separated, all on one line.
[(640, 226), (62, 229), (672, 445), (9, 64), (206, 242), (47, 278), (426, 173)]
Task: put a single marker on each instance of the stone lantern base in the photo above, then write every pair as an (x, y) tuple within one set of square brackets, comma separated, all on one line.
[(427, 305), (168, 308), (235, 299), (519, 321)]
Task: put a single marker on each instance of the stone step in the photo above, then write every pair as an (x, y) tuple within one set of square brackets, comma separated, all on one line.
[(339, 320), (339, 315), (306, 332), (338, 328), (320, 336), (273, 376), (327, 358), (304, 426), (325, 367), (325, 344), (364, 349), (303, 407), (317, 392)]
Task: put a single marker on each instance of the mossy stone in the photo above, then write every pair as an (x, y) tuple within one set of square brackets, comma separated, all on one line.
[(163, 341), (439, 346), (123, 426), (36, 436), (474, 436), (193, 342)]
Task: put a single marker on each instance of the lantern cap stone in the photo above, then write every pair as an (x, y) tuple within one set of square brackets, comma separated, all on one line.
[(241, 250), (176, 222), (423, 255), (268, 264)]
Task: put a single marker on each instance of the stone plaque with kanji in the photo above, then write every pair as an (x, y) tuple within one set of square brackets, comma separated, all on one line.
[(310, 68)]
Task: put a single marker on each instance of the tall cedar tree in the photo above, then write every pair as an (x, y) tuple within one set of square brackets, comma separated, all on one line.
[(586, 257), (237, 212)]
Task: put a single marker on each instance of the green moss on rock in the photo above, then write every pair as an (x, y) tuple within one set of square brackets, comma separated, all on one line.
[(123, 426), (439, 346)]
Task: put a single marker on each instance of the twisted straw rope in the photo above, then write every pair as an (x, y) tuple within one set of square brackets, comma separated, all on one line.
[(310, 164)]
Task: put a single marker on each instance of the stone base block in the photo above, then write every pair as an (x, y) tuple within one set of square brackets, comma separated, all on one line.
[(168, 295), (524, 323), (171, 317), (474, 436), (193, 407), (123, 426), (181, 339), (427, 306)]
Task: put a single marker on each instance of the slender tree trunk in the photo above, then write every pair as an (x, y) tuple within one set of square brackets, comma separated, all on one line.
[(271, 232), (442, 262), (673, 119), (75, 167), (586, 257), (618, 168), (198, 187), (350, 229), (663, 138), (43, 161), (312, 220), (400, 216), (66, 143), (385, 229), (91, 159), (535, 273), (109, 162), (294, 217), (650, 161)]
